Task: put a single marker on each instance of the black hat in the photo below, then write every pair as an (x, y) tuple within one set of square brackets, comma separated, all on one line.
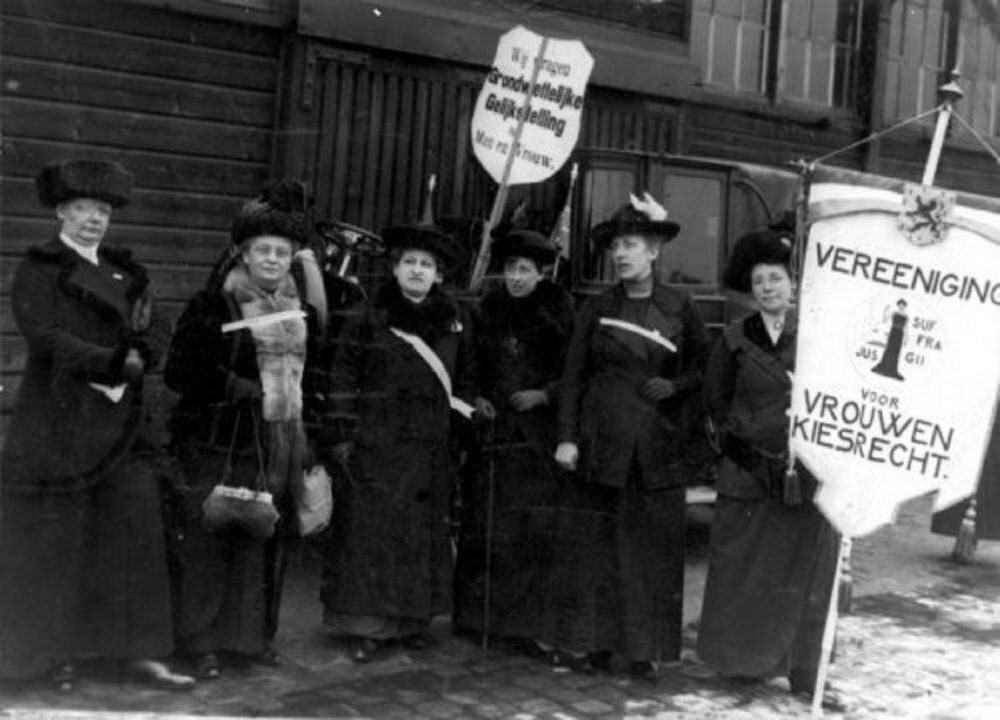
[(629, 221), (524, 243), (279, 210), (422, 236), (97, 179), (767, 247)]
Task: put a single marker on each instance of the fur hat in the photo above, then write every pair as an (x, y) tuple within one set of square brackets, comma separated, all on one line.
[(525, 243), (279, 210), (96, 179), (422, 236), (767, 247), (627, 220)]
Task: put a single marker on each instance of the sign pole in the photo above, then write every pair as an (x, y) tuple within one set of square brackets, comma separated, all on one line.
[(829, 633), (483, 258), (950, 93)]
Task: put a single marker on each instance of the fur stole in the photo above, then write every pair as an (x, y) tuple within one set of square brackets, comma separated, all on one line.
[(542, 320)]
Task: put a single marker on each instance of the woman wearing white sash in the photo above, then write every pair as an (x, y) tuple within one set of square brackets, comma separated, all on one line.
[(634, 362), (388, 565)]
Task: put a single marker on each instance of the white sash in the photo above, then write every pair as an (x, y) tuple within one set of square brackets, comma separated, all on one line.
[(639, 330), (434, 363), (262, 320)]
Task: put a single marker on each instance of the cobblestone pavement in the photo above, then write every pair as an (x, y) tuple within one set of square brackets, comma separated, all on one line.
[(922, 641)]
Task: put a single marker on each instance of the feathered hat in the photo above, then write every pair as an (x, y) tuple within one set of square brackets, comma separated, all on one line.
[(103, 180), (280, 210), (645, 217), (772, 246)]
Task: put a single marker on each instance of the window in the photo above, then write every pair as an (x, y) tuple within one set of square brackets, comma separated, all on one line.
[(929, 38), (815, 60)]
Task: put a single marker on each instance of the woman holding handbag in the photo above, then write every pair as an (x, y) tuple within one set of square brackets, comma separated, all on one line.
[(238, 359), (404, 363)]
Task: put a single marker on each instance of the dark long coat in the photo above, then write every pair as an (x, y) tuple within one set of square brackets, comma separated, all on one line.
[(227, 584), (600, 406), (521, 345), (389, 550), (772, 563), (619, 574), (83, 562)]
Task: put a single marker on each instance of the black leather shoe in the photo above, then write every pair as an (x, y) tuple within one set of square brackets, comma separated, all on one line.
[(63, 678), (363, 649), (642, 671)]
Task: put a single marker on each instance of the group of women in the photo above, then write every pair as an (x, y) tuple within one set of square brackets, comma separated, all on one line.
[(571, 426)]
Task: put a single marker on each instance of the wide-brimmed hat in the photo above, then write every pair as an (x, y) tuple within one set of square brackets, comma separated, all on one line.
[(279, 210), (627, 220), (103, 180), (423, 236), (762, 247), (524, 243)]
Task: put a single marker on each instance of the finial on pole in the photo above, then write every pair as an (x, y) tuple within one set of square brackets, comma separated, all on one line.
[(950, 93)]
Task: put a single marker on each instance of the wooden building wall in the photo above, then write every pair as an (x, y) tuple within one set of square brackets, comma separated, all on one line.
[(186, 103)]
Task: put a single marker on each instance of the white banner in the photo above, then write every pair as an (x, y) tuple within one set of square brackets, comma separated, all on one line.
[(898, 361), (551, 121)]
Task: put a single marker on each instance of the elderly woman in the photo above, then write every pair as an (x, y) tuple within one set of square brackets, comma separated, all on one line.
[(83, 569), (403, 364), (773, 554), (241, 406), (522, 332), (635, 358)]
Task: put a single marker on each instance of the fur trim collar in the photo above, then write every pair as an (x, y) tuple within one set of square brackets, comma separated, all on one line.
[(56, 252), (434, 317)]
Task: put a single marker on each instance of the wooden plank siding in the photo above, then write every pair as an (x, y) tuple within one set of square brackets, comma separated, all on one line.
[(366, 130), (186, 103)]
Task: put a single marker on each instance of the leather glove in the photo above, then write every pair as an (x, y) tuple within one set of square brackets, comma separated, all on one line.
[(342, 452), (657, 389), (239, 389), (567, 455), (484, 410), (524, 400), (133, 367)]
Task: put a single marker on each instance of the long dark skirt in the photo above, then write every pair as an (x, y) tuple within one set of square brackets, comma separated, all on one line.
[(388, 553), (525, 506), (227, 584), (618, 580), (770, 576), (84, 574)]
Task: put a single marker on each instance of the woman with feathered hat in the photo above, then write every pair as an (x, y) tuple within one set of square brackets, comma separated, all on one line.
[(634, 362), (404, 363), (242, 403), (773, 553), (83, 570), (522, 332)]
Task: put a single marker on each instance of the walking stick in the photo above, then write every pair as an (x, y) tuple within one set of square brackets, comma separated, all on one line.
[(490, 494)]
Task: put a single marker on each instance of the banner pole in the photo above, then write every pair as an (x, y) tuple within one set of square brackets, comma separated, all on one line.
[(829, 633), (483, 258), (950, 93)]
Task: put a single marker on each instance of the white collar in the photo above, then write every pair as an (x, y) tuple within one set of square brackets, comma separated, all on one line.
[(87, 252)]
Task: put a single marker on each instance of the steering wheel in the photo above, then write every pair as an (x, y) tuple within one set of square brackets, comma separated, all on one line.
[(351, 238)]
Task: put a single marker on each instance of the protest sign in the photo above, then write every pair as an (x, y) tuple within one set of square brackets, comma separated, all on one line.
[(535, 87), (896, 375)]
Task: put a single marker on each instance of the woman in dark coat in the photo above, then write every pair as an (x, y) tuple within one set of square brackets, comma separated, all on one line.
[(388, 567), (636, 357), (522, 332), (242, 400), (83, 569), (773, 554)]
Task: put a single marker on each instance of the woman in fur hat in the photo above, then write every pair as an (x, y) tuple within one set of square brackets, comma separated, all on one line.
[(773, 554), (522, 331), (241, 402), (83, 565), (635, 359), (388, 567)]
